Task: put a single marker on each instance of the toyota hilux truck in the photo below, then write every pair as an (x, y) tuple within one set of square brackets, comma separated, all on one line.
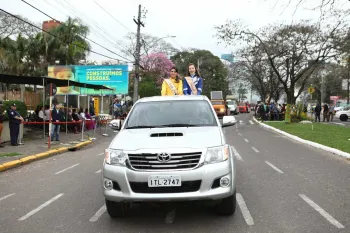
[(154, 158)]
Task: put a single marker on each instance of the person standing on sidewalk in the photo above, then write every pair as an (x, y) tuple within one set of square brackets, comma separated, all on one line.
[(325, 112), (331, 112), (15, 120), (56, 118), (2, 116), (318, 110)]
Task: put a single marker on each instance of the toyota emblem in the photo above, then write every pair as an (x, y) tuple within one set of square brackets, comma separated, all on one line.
[(163, 157)]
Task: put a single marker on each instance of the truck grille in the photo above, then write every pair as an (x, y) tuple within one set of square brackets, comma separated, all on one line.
[(149, 161), (187, 186)]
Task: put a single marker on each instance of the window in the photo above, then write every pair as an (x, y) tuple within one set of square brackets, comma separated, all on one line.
[(230, 102), (179, 112), (217, 102)]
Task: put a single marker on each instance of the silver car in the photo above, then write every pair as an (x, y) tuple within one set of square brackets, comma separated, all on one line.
[(170, 148)]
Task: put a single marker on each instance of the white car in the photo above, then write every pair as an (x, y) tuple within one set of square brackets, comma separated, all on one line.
[(343, 115), (170, 148), (232, 106)]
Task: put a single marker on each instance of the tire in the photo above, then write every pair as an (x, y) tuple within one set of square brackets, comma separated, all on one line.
[(343, 117), (227, 206), (117, 209)]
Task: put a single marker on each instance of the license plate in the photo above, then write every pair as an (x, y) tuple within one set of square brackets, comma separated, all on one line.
[(164, 181)]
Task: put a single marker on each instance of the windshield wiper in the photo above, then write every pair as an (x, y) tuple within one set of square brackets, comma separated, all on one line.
[(179, 125), (140, 127)]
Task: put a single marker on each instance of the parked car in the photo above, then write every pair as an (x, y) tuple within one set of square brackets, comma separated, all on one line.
[(170, 148), (343, 115)]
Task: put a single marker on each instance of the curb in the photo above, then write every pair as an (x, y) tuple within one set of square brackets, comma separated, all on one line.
[(310, 143), (31, 158)]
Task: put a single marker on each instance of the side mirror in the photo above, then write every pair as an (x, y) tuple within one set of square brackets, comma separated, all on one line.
[(228, 121), (115, 124)]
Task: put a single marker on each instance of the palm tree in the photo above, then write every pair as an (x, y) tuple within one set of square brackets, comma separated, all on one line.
[(70, 46)]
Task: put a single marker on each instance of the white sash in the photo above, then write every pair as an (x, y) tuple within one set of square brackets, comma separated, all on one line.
[(171, 86), (192, 86)]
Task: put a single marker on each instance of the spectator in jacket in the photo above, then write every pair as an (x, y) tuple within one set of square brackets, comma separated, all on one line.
[(318, 110), (56, 119), (2, 116)]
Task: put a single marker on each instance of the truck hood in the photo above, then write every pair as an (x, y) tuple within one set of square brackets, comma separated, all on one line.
[(193, 137)]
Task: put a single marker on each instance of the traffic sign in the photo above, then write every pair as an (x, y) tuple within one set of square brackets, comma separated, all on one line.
[(311, 90), (54, 89)]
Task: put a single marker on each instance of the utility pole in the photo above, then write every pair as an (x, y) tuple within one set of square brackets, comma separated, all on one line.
[(348, 80), (139, 23)]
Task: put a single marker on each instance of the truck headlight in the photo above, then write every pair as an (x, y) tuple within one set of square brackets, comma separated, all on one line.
[(217, 154), (115, 157), (222, 110)]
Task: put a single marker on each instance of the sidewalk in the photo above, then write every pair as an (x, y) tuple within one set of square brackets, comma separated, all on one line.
[(34, 143)]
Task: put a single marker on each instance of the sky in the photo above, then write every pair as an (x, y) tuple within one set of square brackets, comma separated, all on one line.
[(192, 22)]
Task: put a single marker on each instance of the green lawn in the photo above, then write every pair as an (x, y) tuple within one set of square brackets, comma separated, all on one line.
[(329, 135), (9, 154)]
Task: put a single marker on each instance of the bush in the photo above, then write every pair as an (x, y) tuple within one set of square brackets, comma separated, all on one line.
[(21, 107)]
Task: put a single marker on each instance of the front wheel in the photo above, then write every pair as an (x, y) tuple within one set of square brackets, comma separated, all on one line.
[(227, 206), (117, 209), (343, 117)]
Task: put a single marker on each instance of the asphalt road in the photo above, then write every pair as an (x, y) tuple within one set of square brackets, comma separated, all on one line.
[(282, 186)]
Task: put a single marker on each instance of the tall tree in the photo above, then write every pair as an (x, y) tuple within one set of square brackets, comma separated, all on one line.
[(289, 48), (70, 44), (149, 44), (10, 26)]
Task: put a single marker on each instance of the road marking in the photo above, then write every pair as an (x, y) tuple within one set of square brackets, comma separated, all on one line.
[(98, 214), (98, 171), (236, 154), (3, 198), (245, 212), (66, 169), (239, 134), (255, 149), (100, 154), (251, 122), (246, 140), (40, 207), (321, 211), (241, 122), (170, 216), (273, 166)]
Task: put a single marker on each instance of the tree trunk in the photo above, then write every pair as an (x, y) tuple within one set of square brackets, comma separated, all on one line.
[(290, 96)]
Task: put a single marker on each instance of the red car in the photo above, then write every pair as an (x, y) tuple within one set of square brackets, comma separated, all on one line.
[(243, 108)]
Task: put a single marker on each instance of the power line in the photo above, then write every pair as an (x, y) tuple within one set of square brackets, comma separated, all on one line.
[(112, 16), (77, 45), (66, 26), (93, 21)]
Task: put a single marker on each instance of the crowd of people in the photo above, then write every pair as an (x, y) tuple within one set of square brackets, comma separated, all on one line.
[(272, 111)]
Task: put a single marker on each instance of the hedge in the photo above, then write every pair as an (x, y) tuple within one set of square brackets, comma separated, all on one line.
[(21, 107)]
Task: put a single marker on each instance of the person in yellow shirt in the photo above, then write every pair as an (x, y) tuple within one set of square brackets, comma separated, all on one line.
[(172, 85)]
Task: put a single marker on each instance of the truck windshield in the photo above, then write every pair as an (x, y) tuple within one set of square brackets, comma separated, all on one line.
[(230, 102), (217, 103), (178, 113)]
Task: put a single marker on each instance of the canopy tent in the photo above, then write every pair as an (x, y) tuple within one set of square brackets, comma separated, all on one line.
[(34, 80), (43, 81)]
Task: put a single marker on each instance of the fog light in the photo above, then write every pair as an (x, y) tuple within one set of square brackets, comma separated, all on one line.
[(108, 184), (224, 182)]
